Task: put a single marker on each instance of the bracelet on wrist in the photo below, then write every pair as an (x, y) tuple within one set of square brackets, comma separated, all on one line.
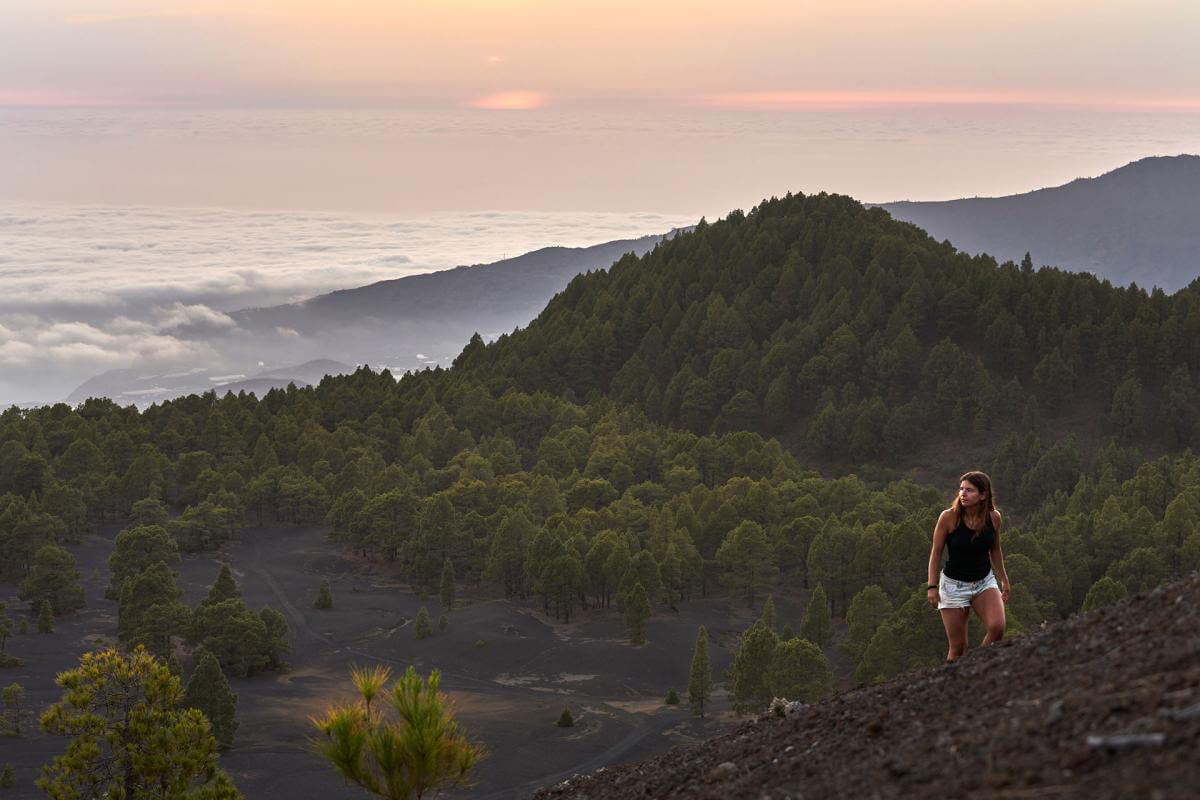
[(929, 586)]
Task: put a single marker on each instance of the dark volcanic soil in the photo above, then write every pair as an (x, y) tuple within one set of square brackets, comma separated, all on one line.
[(1099, 706), (509, 670)]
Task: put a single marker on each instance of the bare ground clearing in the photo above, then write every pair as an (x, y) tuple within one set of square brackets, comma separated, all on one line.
[(508, 690)]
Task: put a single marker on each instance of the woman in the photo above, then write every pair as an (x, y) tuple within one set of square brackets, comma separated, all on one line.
[(970, 529)]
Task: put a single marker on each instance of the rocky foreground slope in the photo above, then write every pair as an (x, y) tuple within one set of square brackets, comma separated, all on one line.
[(1105, 705)]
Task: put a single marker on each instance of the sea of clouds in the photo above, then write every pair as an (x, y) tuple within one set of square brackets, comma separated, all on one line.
[(86, 289)]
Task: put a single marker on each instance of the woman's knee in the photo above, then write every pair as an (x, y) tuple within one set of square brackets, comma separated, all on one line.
[(995, 629)]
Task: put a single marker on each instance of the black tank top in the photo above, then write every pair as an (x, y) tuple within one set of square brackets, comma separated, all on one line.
[(970, 555)]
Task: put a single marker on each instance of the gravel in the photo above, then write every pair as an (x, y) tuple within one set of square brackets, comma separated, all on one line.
[(1102, 705)]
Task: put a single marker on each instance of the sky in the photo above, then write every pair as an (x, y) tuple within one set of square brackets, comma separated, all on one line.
[(163, 162), (587, 54)]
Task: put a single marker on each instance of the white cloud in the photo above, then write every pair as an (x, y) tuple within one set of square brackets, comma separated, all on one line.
[(87, 289), (16, 353), (197, 315)]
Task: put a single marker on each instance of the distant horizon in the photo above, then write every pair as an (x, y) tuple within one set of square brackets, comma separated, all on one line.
[(124, 225), (695, 163), (522, 54)]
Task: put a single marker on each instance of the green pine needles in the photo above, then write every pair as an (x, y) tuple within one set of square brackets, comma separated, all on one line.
[(417, 750), (700, 677), (208, 691), (129, 735)]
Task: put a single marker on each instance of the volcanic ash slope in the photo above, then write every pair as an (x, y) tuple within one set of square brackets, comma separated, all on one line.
[(1103, 705)]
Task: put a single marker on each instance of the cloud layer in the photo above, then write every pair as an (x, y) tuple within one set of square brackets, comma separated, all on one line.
[(85, 289)]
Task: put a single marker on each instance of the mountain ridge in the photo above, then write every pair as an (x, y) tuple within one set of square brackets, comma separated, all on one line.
[(1133, 224), (835, 328)]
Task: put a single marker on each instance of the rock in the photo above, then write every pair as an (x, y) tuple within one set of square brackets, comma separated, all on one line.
[(1182, 714), (1126, 741), (723, 772)]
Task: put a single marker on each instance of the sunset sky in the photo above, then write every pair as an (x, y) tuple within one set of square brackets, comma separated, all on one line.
[(514, 54)]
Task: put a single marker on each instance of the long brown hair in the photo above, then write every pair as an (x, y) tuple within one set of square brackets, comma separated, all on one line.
[(983, 483)]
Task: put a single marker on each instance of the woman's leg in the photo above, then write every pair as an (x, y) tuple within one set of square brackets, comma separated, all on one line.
[(955, 622), (990, 608)]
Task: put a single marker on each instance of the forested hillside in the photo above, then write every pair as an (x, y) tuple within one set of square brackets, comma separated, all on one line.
[(572, 506), (860, 340), (620, 452)]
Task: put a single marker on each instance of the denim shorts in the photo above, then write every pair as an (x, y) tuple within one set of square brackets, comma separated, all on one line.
[(959, 594)]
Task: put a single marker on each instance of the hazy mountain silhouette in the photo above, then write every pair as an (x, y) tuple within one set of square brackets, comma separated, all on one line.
[(486, 298), (402, 324), (1134, 224), (137, 387)]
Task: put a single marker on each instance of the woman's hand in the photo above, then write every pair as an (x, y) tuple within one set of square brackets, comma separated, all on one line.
[(932, 595), (1005, 589)]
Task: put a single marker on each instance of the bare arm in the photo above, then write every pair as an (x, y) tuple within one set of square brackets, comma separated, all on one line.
[(940, 531), (998, 559)]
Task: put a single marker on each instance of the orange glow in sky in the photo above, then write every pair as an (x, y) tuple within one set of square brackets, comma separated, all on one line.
[(768, 54), (510, 101), (819, 100)]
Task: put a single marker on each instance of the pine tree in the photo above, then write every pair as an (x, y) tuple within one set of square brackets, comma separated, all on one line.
[(153, 587), (324, 595), (565, 719), (799, 671), (817, 625), (223, 588), (672, 698), (45, 618), (14, 696), (424, 753), (700, 677), (53, 578), (637, 609), (7, 778), (422, 627), (768, 613), (1104, 592), (447, 587), (128, 737), (208, 691), (275, 641), (6, 627), (750, 689), (868, 609), (747, 561), (443, 623), (135, 551)]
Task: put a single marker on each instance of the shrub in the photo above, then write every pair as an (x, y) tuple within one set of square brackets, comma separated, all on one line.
[(324, 596), (672, 698), (565, 720), (423, 627)]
